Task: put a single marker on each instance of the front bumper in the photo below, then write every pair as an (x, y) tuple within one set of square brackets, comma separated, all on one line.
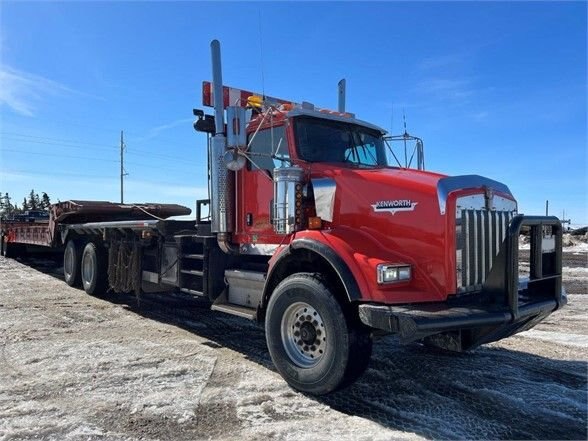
[(456, 328), (504, 306)]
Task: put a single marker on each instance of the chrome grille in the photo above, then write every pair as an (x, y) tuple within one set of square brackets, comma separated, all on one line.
[(479, 235)]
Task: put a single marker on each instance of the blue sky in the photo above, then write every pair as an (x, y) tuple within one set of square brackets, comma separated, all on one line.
[(497, 89)]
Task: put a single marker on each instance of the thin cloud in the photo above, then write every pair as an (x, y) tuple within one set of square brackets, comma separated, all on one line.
[(441, 61), (445, 88), (156, 131), (480, 116), (22, 91)]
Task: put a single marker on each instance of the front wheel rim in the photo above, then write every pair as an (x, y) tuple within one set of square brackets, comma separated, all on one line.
[(303, 335)]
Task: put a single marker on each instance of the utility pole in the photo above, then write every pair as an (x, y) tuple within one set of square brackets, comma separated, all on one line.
[(564, 220), (122, 167)]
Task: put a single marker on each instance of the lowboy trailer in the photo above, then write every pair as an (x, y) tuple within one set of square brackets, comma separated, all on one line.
[(312, 233)]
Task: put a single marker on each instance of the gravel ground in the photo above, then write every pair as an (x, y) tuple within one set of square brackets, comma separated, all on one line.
[(75, 367)]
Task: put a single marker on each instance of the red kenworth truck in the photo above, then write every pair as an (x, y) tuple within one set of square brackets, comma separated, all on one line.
[(310, 231)]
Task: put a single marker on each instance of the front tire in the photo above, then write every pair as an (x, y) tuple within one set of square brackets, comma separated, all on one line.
[(314, 346), (93, 269)]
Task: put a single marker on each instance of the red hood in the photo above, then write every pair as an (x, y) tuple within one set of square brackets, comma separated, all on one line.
[(367, 187), (399, 178), (393, 213)]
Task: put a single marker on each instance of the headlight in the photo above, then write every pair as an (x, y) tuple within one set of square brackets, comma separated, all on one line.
[(389, 273)]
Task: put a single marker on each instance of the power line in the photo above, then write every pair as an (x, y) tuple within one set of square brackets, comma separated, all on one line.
[(138, 164), (61, 140), (159, 155), (59, 155), (85, 175), (158, 167), (58, 173), (61, 144), (108, 129), (111, 149), (80, 145)]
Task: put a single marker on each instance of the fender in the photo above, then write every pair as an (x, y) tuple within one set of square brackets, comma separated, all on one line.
[(353, 255), (327, 253), (352, 290)]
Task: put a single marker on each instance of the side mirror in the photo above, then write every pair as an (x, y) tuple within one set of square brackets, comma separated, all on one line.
[(236, 127)]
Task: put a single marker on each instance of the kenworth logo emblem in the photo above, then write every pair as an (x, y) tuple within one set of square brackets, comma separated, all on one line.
[(394, 206)]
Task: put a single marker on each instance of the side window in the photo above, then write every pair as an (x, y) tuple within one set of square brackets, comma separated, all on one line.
[(261, 148)]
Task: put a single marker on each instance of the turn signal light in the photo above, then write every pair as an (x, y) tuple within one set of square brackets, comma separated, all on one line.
[(315, 223)]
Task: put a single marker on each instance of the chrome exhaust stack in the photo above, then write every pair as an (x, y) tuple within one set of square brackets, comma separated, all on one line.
[(341, 96), (222, 193)]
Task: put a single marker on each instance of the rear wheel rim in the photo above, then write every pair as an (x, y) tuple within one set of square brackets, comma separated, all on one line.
[(303, 335), (88, 268), (68, 265)]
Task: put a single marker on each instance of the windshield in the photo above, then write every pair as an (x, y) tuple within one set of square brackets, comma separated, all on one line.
[(322, 140)]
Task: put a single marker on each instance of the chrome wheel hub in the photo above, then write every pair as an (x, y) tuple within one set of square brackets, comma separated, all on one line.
[(303, 335)]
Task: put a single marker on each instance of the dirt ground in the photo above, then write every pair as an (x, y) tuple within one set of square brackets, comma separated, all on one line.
[(75, 367)]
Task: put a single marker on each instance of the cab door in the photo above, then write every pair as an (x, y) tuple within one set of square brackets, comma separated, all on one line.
[(255, 185)]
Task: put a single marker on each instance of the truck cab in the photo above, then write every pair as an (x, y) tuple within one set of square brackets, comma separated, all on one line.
[(346, 243)]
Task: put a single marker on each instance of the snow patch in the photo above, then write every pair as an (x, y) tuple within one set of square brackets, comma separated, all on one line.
[(578, 340)]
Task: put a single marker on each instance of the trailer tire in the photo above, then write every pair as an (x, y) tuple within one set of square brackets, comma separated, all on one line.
[(93, 269), (14, 250), (313, 344), (71, 263)]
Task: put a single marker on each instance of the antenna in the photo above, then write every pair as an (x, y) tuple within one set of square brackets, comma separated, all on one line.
[(392, 120), (405, 135), (261, 53), (123, 172)]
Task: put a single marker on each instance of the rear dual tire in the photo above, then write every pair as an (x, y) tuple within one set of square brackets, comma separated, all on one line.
[(93, 269), (71, 263), (313, 344)]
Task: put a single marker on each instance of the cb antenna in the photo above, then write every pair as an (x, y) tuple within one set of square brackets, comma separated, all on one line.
[(405, 135), (392, 120), (261, 53)]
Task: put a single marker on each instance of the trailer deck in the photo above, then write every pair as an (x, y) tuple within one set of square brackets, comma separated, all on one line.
[(45, 232)]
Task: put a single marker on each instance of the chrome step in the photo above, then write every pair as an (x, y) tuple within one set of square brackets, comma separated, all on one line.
[(193, 256), (192, 272), (192, 291), (239, 311)]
